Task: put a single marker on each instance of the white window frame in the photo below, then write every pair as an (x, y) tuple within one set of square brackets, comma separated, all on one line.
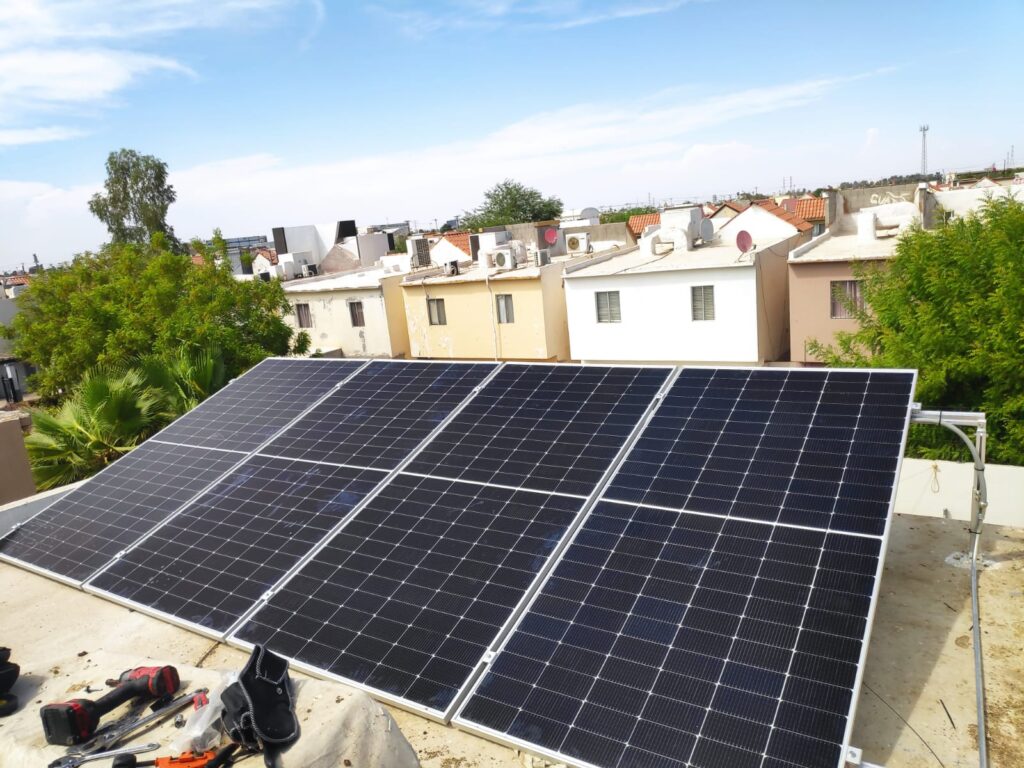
[(839, 291), (435, 312), (611, 312), (505, 308), (702, 303)]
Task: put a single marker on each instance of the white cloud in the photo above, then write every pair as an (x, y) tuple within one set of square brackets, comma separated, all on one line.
[(57, 56), (588, 154)]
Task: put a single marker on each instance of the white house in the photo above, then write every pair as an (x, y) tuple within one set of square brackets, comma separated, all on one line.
[(353, 314), (324, 249), (678, 298)]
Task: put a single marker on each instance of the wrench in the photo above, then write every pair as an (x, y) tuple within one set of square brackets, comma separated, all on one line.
[(107, 738), (73, 761)]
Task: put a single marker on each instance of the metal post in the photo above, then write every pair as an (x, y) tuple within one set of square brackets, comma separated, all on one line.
[(953, 420)]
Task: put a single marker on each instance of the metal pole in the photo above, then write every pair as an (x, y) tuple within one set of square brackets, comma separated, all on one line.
[(979, 505)]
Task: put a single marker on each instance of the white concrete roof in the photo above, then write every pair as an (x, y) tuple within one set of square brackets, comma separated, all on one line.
[(344, 281), (635, 261), (473, 271), (844, 246)]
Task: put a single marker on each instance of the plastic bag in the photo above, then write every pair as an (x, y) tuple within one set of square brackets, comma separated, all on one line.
[(202, 729)]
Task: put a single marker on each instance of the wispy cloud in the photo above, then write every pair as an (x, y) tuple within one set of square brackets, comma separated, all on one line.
[(58, 56), (671, 143), (416, 21)]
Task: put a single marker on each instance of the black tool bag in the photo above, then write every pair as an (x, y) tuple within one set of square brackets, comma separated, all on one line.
[(259, 711)]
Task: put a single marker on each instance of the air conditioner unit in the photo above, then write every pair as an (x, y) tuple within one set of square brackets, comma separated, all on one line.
[(504, 258), (309, 270), (421, 252), (265, 277), (451, 268), (578, 242), (542, 257)]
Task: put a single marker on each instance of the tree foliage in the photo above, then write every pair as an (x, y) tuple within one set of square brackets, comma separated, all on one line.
[(951, 304), (113, 409), (510, 202), (624, 214), (130, 300), (134, 206)]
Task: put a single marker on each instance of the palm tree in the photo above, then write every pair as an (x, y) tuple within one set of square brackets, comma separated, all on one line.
[(184, 380), (108, 414)]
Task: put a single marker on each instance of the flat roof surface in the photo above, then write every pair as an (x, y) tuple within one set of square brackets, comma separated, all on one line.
[(920, 662), (716, 256), (364, 278)]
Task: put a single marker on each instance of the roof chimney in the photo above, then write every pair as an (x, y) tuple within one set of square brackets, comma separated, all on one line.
[(866, 226)]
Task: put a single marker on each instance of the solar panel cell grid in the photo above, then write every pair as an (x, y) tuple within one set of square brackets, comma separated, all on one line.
[(212, 561), (812, 448), (543, 427), (381, 414), (409, 595), (251, 409), (81, 532), (669, 639)]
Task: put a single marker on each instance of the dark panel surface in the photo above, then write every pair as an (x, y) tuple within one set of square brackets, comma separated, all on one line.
[(668, 639), (82, 531), (408, 596), (545, 427), (219, 555), (809, 447), (259, 403), (381, 414)]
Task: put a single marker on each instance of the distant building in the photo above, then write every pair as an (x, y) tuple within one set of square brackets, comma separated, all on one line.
[(15, 285), (13, 372), (360, 313), (809, 208), (824, 289), (312, 249), (677, 298), (236, 246)]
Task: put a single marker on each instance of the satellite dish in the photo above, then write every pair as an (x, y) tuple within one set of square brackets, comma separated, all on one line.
[(744, 241), (551, 235), (707, 230)]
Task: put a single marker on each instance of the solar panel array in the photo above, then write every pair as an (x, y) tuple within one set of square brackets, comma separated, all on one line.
[(718, 627), (85, 529), (707, 605), (427, 574)]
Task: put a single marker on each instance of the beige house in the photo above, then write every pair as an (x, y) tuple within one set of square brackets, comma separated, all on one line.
[(824, 288), (352, 314), (487, 312)]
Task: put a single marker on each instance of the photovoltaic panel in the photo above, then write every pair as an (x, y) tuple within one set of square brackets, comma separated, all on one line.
[(212, 561), (672, 640), (817, 448), (82, 531), (251, 409), (409, 595), (543, 427), (379, 417)]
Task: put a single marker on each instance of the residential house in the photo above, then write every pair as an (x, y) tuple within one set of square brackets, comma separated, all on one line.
[(15, 285), (678, 297), (13, 372), (359, 313), (506, 305), (726, 211), (824, 287), (809, 208), (639, 223)]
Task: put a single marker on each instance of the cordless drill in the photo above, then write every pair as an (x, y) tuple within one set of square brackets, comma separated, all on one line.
[(75, 721)]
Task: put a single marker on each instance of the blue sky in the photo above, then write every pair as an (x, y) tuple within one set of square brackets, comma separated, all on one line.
[(274, 112)]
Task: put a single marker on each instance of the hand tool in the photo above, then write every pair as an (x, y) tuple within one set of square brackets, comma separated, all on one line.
[(72, 722), (108, 737), (208, 759), (73, 761)]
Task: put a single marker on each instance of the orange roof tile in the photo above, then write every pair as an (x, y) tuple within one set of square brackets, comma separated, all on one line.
[(17, 280), (641, 221), (791, 218), (460, 240), (810, 208)]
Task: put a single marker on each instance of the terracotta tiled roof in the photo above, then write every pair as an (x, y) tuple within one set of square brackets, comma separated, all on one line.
[(17, 280), (734, 205), (791, 218), (268, 253), (198, 260), (637, 224), (459, 239), (810, 208)]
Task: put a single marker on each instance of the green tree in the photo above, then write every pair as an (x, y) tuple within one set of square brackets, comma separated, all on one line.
[(950, 303), (131, 300), (510, 202), (108, 414), (623, 214), (134, 206)]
